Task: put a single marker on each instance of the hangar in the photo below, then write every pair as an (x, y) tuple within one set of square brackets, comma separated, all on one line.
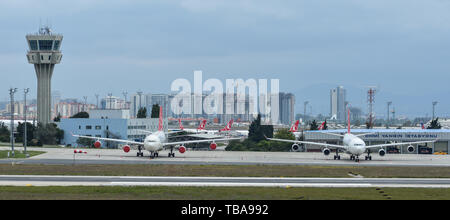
[(385, 136)]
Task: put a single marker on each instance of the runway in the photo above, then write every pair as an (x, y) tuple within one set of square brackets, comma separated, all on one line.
[(38, 180), (66, 156)]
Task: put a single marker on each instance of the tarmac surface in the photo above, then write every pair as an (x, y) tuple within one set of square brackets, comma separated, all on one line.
[(41, 180), (66, 156)]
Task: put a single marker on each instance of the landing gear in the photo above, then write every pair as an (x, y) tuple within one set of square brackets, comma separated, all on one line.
[(355, 158), (153, 154), (140, 153), (368, 157), (171, 154), (337, 157)]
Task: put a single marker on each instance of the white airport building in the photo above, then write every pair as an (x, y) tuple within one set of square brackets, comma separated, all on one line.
[(385, 136), (110, 123)]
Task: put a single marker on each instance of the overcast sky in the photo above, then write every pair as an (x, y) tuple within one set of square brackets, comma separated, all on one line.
[(401, 46)]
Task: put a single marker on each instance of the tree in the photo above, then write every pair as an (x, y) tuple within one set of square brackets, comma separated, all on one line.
[(434, 124), (325, 126), (142, 113), (257, 132), (155, 111), (5, 134), (313, 126), (58, 118), (21, 130), (49, 134), (87, 142), (284, 134), (81, 115)]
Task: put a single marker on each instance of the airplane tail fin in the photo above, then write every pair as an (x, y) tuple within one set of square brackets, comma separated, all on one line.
[(180, 124), (321, 126), (228, 127), (294, 127), (202, 125), (230, 124), (160, 125)]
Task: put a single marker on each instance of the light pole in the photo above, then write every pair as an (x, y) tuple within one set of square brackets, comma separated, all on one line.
[(110, 100), (434, 104), (96, 97), (11, 94), (387, 122), (304, 112), (85, 103), (25, 124)]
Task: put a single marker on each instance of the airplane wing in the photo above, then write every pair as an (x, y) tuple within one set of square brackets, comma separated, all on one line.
[(396, 144), (110, 139), (307, 142), (199, 141)]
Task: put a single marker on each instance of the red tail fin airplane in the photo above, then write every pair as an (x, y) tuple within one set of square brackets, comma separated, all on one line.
[(156, 141), (352, 144), (228, 127), (294, 127)]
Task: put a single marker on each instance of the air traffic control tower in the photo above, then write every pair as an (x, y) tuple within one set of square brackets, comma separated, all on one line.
[(44, 52)]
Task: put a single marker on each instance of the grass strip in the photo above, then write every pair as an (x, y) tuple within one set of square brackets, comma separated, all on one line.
[(226, 170), (217, 193)]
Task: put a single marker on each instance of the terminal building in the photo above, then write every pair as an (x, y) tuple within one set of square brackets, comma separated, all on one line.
[(385, 136)]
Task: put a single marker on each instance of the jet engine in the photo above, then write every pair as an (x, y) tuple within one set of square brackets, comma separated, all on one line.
[(298, 147), (410, 148), (213, 146), (326, 151), (182, 149), (97, 144), (126, 148), (382, 152)]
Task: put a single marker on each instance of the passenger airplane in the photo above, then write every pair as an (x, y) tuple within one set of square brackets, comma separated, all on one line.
[(155, 142), (294, 128), (200, 128), (228, 127), (352, 145)]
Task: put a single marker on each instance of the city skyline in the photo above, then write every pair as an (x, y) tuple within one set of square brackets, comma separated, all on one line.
[(231, 39)]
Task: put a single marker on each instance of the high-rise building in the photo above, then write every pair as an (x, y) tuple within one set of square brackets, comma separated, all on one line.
[(112, 102), (44, 52), (287, 111), (158, 99), (337, 103), (137, 101)]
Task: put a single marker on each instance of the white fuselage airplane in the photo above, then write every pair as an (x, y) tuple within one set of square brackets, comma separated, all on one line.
[(156, 141), (352, 145)]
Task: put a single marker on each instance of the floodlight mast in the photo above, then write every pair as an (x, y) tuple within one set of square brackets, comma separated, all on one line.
[(11, 94)]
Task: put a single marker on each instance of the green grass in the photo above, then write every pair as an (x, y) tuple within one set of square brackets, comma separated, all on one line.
[(18, 154), (225, 170), (219, 193)]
